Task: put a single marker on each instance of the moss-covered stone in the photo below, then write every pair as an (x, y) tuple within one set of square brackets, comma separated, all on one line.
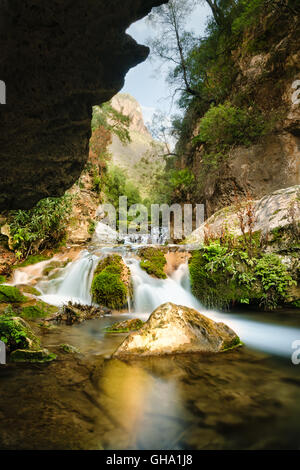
[(223, 276), (26, 289), (25, 355), (39, 310), (2, 279), (10, 294), (17, 334), (125, 326), (111, 283), (153, 262), (68, 349)]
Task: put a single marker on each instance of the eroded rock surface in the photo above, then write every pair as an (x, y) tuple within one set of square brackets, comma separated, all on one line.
[(173, 329), (58, 59)]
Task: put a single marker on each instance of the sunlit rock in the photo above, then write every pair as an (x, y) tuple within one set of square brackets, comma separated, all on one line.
[(173, 329)]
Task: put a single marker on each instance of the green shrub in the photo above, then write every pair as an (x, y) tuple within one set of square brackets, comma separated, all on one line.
[(226, 125), (41, 227), (153, 262)]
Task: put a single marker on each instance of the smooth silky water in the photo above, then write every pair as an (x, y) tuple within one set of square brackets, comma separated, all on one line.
[(245, 398)]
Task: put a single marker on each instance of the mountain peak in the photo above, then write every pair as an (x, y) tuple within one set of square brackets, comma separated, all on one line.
[(129, 106)]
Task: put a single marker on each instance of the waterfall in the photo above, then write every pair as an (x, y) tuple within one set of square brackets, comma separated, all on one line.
[(74, 282)]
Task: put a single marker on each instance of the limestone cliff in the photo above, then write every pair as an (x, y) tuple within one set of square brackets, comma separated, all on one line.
[(58, 59), (267, 73)]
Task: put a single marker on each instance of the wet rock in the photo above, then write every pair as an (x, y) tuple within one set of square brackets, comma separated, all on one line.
[(68, 349), (25, 355), (125, 326), (173, 329), (77, 313)]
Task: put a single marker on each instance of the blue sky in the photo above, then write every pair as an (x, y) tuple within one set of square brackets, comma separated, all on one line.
[(145, 82)]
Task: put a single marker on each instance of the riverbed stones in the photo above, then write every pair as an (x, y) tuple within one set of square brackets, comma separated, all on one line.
[(174, 329)]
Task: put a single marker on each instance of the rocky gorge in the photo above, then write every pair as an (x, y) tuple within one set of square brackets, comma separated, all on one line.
[(118, 339)]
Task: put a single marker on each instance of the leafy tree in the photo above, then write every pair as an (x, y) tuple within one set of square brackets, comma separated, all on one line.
[(170, 20)]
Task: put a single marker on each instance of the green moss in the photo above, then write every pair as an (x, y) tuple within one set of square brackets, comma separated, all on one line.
[(235, 343), (33, 259), (125, 326), (2, 279), (108, 287), (221, 277), (16, 334), (30, 290), (296, 303), (109, 290), (25, 355), (10, 294), (40, 310), (153, 262)]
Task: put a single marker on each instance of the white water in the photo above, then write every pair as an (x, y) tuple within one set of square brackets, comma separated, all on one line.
[(75, 281)]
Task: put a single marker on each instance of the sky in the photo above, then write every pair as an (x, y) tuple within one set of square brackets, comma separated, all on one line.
[(145, 82)]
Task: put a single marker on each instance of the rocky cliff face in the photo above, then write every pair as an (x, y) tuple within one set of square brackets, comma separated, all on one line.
[(267, 76), (58, 59)]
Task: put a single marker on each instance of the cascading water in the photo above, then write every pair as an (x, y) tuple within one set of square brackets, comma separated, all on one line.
[(73, 283)]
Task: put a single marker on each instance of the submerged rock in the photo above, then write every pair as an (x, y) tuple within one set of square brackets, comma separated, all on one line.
[(25, 355), (77, 313), (125, 326), (173, 329)]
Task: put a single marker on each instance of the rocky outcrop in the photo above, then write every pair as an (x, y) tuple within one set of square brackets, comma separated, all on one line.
[(266, 79), (274, 211), (173, 329), (58, 59)]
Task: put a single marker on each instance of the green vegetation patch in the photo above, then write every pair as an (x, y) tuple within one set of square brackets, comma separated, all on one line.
[(40, 310), (16, 334), (221, 277), (33, 259), (125, 326), (153, 262), (10, 294), (25, 355), (108, 286)]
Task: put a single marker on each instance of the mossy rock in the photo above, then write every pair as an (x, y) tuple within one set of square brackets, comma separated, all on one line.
[(109, 290), (68, 349), (52, 266), (25, 355), (125, 326), (2, 279), (10, 294), (17, 334), (153, 262), (111, 283), (25, 289), (39, 310)]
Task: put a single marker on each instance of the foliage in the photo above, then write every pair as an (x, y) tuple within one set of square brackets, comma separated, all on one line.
[(226, 125), (33, 259), (223, 276), (117, 184), (107, 117), (153, 262), (41, 227), (16, 334)]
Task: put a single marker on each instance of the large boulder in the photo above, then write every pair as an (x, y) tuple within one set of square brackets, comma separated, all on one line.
[(173, 329)]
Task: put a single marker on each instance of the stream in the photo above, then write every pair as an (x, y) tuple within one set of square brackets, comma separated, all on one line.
[(247, 398)]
